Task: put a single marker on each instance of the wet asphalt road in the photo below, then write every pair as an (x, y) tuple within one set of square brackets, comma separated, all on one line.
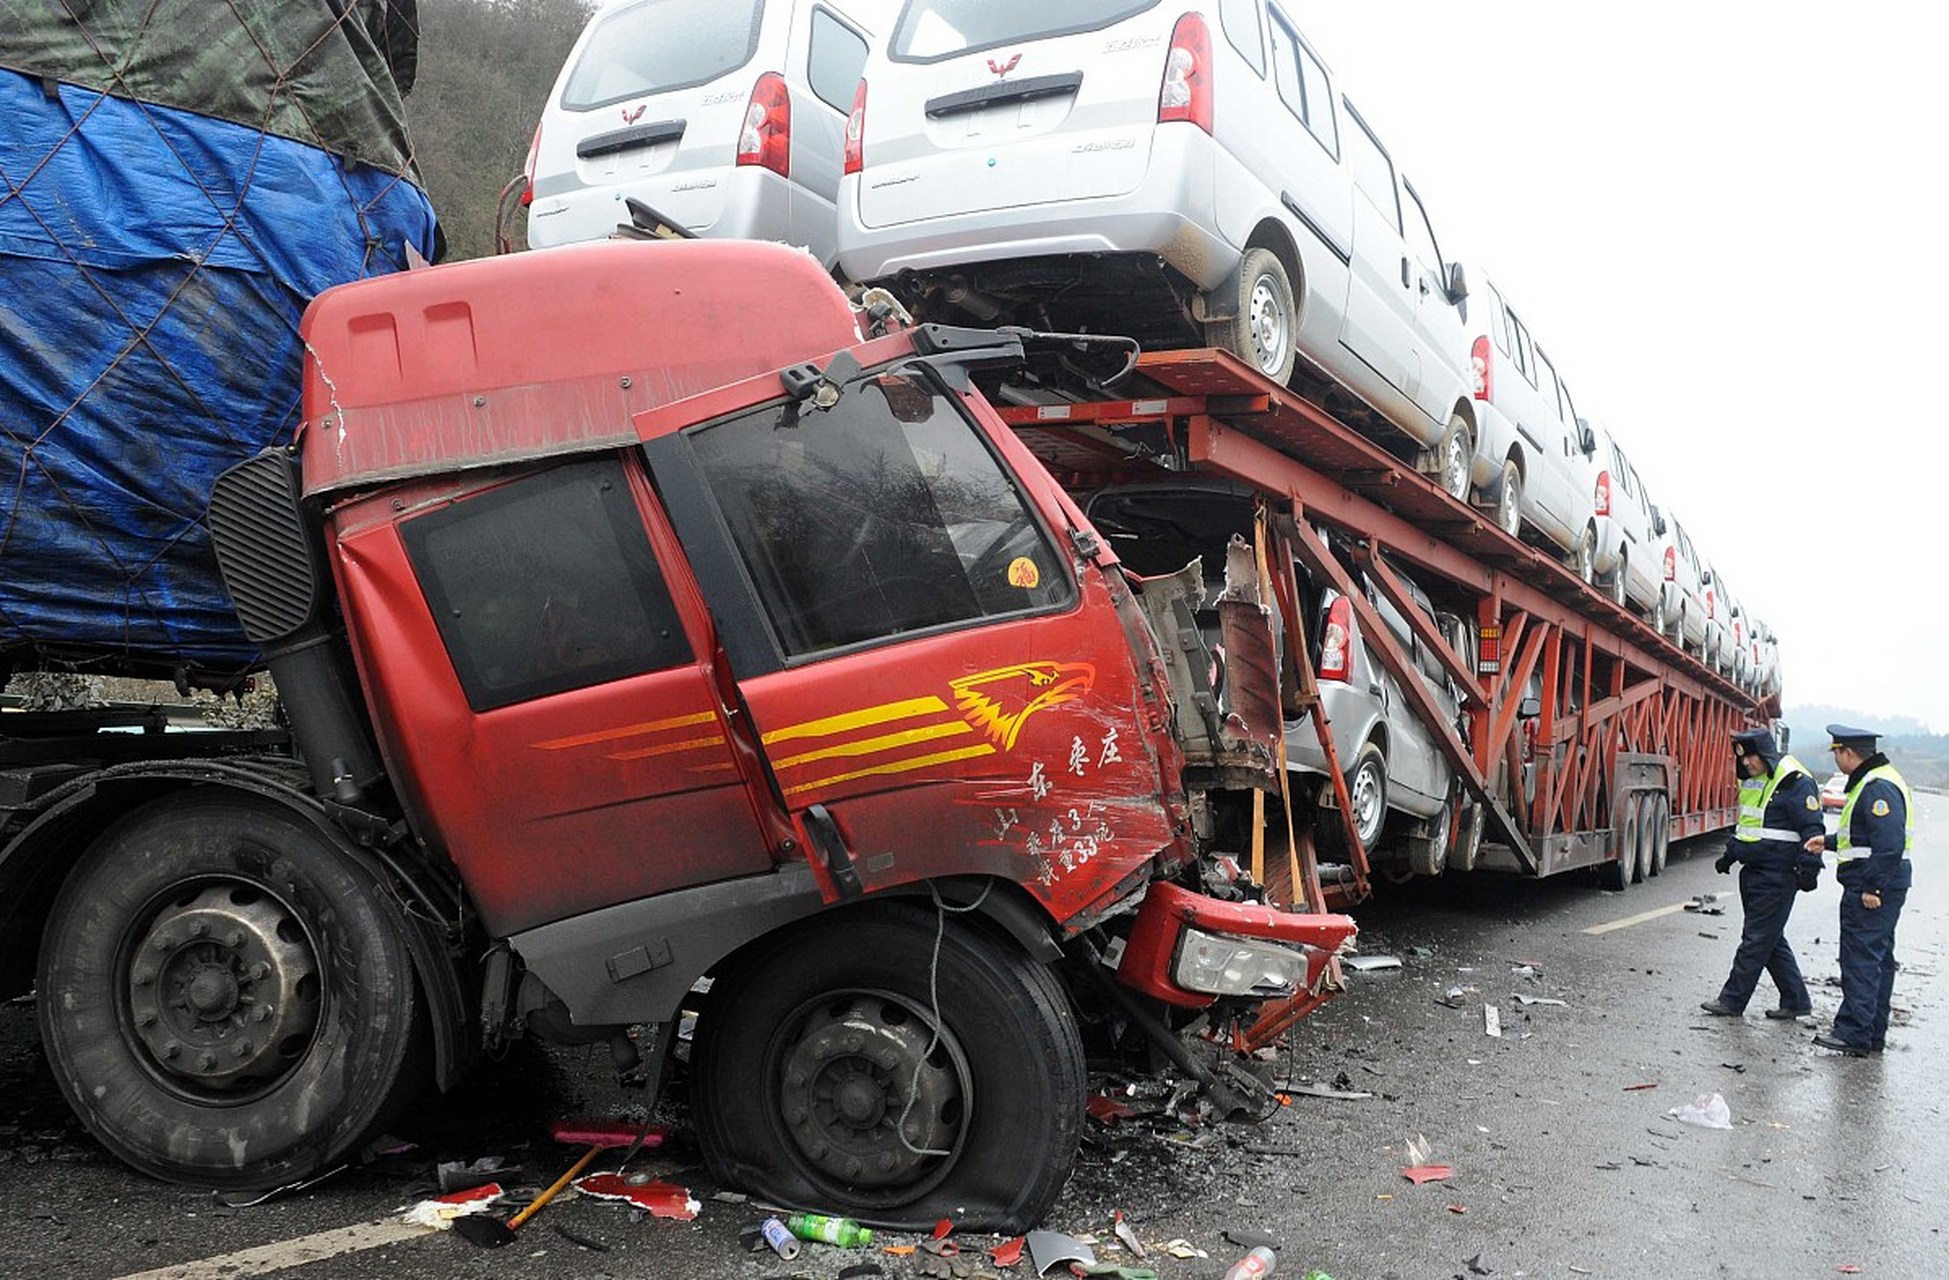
[(1565, 1162)]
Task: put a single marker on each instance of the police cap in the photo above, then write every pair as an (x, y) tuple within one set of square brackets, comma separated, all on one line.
[(1759, 741), (1860, 740)]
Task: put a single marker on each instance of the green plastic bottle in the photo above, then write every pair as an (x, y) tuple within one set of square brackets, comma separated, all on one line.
[(817, 1227)]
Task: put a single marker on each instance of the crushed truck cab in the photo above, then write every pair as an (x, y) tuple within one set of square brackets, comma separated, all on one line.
[(726, 661)]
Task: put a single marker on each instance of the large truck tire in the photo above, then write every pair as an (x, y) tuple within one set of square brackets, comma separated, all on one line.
[(807, 1057), (226, 995)]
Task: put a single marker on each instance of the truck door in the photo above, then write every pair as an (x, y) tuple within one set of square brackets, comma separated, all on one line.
[(539, 687), (936, 684)]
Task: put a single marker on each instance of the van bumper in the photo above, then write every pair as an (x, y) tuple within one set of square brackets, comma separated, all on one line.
[(1169, 213)]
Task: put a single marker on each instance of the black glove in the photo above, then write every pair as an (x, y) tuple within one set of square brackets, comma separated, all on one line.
[(1724, 865), (1808, 879)]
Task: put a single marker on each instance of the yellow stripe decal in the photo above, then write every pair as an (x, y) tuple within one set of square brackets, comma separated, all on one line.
[(897, 766), (885, 742), (628, 731), (857, 719), (664, 749)]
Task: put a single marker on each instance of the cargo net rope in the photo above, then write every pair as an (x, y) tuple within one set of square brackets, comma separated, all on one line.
[(178, 179)]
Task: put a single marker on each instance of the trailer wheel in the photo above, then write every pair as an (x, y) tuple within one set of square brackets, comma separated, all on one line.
[(229, 1001), (1642, 807), (1264, 329), (810, 1051), (1616, 874), (1661, 831)]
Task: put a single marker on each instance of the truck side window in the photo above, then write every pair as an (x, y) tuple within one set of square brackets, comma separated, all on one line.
[(883, 515), (545, 584)]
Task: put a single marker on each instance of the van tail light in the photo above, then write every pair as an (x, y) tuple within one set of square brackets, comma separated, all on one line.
[(766, 139), (1336, 648), (1483, 363), (1710, 611), (1671, 565), (528, 168), (856, 131), (1186, 94), (1603, 493)]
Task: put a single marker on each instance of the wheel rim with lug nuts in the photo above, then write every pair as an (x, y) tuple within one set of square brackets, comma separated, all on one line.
[(1455, 465), (844, 1082), (1366, 800), (1268, 326), (223, 989)]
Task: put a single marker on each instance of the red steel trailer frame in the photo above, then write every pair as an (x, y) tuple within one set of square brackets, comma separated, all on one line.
[(1623, 746)]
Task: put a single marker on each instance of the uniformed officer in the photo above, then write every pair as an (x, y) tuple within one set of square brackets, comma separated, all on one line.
[(1779, 811), (1871, 850)]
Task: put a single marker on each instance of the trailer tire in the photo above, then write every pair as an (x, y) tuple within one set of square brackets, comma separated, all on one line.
[(1661, 831), (1644, 809), (1617, 873), (228, 998), (804, 1057)]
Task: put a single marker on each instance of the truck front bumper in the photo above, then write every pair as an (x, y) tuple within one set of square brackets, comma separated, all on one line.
[(1190, 950)]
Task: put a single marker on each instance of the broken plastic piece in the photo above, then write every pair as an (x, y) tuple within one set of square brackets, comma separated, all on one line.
[(1491, 1021), (1049, 1249), (659, 1199), (1369, 964), (1328, 1091), (440, 1211), (1107, 1110), (1182, 1248), (1420, 1173), (1644, 1084), (1007, 1253), (1709, 1112), (1129, 1236), (1537, 1000)]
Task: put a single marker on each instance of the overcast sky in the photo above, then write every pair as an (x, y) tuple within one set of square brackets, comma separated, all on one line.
[(1727, 224)]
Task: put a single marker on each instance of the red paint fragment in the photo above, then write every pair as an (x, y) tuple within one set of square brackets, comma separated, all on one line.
[(1420, 1173), (943, 1228), (1848, 1269), (660, 1199), (1009, 1252), (1108, 1110), (1458, 1208)]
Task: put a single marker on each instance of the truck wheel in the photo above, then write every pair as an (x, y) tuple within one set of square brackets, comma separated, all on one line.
[(228, 999), (1616, 874), (1644, 808), (810, 1051), (1661, 831), (1264, 328)]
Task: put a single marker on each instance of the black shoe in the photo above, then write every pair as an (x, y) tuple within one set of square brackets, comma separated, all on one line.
[(1840, 1046), (1720, 1009), (1877, 1046), (1790, 1013)]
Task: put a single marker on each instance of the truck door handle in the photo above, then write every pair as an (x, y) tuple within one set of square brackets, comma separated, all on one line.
[(1406, 279)]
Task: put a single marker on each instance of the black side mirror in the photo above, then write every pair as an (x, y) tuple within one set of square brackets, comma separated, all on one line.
[(1458, 282), (1657, 521)]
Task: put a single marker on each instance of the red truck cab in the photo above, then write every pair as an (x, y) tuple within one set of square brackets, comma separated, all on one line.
[(720, 660)]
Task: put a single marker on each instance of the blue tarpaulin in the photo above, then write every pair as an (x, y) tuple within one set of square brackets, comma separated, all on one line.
[(154, 264)]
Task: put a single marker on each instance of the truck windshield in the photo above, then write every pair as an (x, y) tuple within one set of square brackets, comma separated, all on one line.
[(660, 45), (886, 514), (934, 29)]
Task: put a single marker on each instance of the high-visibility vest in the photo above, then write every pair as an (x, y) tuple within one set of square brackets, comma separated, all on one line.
[(1844, 845), (1755, 794)]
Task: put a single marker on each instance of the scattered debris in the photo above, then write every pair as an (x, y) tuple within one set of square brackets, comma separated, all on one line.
[(1527, 969), (1128, 1236), (246, 1199), (440, 1211), (1458, 1208), (1420, 1173), (458, 1175), (1455, 997), (1370, 964), (1107, 1110), (1246, 1238), (1709, 1112), (1181, 1248), (783, 1243), (1644, 1084), (1492, 1021), (1478, 1267), (1740, 1067), (1706, 904), (1528, 1000), (575, 1238), (1049, 1249), (1007, 1253), (659, 1199)]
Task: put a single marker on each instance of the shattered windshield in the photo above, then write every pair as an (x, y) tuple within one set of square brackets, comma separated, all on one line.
[(885, 514)]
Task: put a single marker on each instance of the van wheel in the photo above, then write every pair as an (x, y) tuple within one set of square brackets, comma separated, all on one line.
[(229, 1001), (1263, 330), (1456, 456), (1509, 499), (1367, 789), (1616, 584), (1582, 559), (872, 1065)]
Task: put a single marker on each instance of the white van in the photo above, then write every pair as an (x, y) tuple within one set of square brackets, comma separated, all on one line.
[(1532, 452), (726, 116), (1682, 600), (1629, 526), (1182, 171)]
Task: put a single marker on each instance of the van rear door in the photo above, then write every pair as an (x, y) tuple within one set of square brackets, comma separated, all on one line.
[(983, 104), (650, 105)]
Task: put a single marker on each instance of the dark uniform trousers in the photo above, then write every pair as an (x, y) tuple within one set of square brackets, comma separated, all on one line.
[(1868, 966), (1766, 892)]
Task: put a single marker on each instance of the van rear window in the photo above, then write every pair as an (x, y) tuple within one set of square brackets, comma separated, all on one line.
[(931, 30), (660, 45)]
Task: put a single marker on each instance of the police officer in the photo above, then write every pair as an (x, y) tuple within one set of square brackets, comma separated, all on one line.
[(1871, 851), (1779, 811)]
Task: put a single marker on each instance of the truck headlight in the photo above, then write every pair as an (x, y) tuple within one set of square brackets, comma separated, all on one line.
[(1224, 966)]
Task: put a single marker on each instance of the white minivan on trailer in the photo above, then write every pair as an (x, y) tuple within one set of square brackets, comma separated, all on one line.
[(1183, 171)]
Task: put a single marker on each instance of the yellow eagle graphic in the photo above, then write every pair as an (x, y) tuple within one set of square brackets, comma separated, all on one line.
[(997, 702)]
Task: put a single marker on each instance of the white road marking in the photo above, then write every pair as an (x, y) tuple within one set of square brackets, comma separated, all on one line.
[(1640, 918), (288, 1253)]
